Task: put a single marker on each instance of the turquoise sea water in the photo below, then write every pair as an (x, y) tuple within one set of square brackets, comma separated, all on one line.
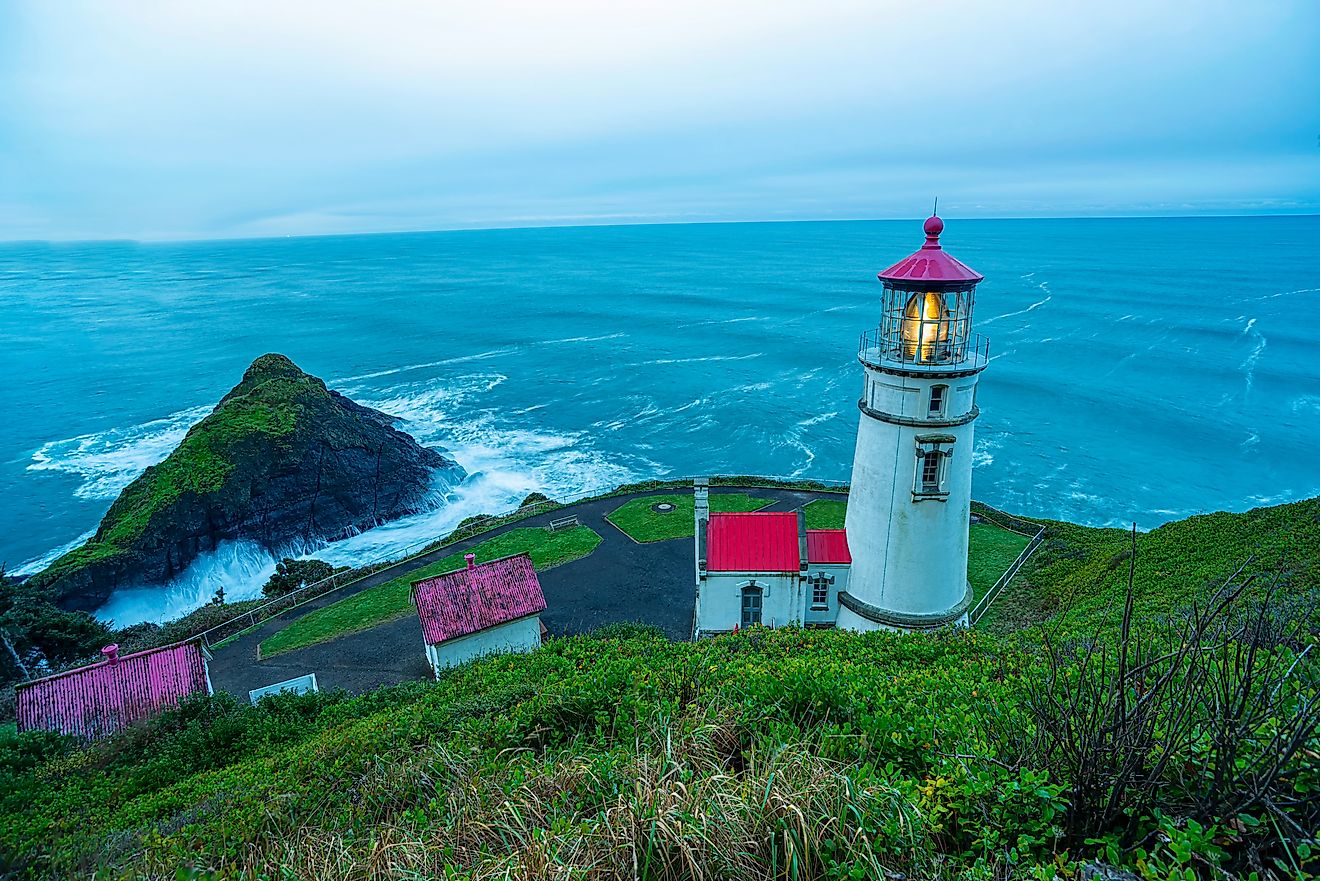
[(1143, 369)]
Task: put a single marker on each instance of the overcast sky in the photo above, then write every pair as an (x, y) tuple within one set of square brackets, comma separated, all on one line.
[(208, 119)]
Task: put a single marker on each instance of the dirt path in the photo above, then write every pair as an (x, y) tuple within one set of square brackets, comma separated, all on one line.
[(620, 581)]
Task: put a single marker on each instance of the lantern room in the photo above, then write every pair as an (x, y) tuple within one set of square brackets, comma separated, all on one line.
[(927, 310)]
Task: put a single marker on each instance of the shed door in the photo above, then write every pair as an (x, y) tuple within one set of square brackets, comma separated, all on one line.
[(751, 606)]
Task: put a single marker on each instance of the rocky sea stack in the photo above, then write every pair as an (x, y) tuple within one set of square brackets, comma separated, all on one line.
[(281, 460)]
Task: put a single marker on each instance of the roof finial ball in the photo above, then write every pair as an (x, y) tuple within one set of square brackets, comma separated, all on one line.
[(933, 227)]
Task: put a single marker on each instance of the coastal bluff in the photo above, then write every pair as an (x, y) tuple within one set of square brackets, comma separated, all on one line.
[(281, 460)]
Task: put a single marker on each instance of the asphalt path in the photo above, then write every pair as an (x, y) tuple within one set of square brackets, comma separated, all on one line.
[(620, 581)]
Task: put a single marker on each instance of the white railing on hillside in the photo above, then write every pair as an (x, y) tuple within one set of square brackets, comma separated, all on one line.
[(399, 558), (1035, 531)]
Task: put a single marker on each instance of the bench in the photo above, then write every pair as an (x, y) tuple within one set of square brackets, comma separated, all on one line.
[(563, 523)]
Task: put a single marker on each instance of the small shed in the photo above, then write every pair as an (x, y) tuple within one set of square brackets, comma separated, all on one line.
[(103, 698), (480, 610)]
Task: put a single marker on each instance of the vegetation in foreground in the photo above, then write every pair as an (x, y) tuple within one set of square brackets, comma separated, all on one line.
[(1157, 714), (769, 753), (640, 522), (390, 600)]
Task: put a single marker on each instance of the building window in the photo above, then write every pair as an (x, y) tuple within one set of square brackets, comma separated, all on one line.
[(820, 591), (939, 396), (933, 452), (930, 473), (751, 605)]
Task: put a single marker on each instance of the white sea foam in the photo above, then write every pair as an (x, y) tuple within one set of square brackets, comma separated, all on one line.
[(241, 568), (36, 564), (1249, 365), (1306, 403), (1289, 293), (426, 365), (1032, 308), (697, 359), (586, 339), (108, 461)]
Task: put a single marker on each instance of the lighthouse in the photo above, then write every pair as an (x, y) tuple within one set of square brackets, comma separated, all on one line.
[(910, 499)]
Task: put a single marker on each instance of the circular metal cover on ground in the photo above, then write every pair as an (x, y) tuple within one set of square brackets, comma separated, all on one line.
[(663, 508)]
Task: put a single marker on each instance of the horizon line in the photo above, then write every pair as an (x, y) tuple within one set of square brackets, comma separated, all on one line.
[(570, 225)]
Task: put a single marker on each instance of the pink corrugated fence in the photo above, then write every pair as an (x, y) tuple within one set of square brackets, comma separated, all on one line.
[(103, 698)]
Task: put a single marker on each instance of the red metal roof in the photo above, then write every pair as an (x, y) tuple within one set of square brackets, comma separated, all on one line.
[(103, 698), (478, 597), (761, 541), (827, 546), (932, 262)]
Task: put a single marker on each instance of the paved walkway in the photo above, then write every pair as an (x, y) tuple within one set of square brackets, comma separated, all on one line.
[(620, 581)]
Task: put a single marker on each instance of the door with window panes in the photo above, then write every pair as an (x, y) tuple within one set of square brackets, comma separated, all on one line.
[(751, 606)]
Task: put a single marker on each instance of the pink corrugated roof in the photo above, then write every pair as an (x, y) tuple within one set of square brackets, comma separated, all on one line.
[(827, 546), (932, 262), (760, 541), (103, 698), (468, 600)]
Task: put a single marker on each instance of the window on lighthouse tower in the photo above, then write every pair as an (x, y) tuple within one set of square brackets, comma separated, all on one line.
[(938, 395), (930, 473), (932, 451)]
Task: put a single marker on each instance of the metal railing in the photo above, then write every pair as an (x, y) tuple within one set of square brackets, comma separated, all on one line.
[(1012, 524), (961, 352)]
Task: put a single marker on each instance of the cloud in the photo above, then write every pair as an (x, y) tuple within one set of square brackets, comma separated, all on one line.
[(239, 118)]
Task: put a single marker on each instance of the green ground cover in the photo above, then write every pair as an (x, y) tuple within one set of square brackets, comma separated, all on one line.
[(394, 598), (826, 513), (990, 549), (642, 524), (764, 754), (1078, 576)]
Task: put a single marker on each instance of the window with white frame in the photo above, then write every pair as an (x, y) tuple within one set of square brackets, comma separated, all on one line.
[(939, 399), (933, 454), (820, 590)]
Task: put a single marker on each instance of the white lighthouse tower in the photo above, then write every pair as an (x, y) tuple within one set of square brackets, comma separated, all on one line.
[(911, 489)]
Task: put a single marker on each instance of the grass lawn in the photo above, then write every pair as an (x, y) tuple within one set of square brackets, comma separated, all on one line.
[(991, 549), (640, 523), (393, 599), (825, 514)]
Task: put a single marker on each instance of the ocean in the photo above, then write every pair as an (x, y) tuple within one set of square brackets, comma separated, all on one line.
[(1142, 369)]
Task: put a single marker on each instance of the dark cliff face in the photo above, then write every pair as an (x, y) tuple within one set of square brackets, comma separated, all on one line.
[(282, 460)]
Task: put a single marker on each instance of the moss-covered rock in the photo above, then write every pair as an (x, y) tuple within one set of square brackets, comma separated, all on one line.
[(281, 460)]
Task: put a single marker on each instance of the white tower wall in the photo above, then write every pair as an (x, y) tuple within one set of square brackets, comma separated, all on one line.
[(909, 546)]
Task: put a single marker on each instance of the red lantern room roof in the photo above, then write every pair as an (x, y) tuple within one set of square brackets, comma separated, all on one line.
[(932, 262)]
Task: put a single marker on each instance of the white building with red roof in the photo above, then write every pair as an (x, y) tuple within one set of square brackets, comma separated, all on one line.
[(766, 568), (480, 610)]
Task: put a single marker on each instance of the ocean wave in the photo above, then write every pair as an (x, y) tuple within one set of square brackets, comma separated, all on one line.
[(699, 359), (241, 568), (426, 365), (586, 339), (36, 564), (1032, 308), (108, 461)]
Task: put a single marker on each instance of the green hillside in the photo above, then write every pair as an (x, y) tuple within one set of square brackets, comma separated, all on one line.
[(763, 754), (1077, 578)]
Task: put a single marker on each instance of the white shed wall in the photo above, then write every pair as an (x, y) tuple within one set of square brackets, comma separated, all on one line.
[(523, 635)]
